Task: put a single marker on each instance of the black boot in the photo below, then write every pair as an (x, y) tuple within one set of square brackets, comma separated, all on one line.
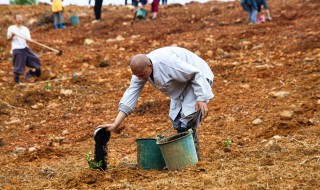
[(101, 137), (16, 79), (38, 72)]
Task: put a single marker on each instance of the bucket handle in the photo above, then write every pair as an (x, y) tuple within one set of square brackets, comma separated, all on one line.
[(160, 136)]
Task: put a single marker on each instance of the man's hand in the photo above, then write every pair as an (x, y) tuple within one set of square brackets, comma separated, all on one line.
[(112, 127), (109, 126), (203, 107), (115, 125), (10, 37)]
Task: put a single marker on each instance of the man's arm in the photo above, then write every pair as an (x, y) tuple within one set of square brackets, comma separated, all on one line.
[(127, 103), (117, 122), (10, 34)]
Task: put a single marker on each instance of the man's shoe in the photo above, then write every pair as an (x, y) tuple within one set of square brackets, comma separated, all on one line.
[(95, 21), (56, 26), (16, 79), (62, 26)]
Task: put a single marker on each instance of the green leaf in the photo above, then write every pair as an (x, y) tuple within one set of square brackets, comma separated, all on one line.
[(227, 143)]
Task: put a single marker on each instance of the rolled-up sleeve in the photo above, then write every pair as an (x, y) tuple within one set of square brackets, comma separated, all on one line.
[(131, 95)]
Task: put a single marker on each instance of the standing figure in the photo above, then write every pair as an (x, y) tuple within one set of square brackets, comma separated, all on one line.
[(22, 55), (57, 10), (154, 9), (253, 7), (97, 10)]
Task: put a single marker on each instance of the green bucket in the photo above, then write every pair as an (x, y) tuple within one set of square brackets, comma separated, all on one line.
[(74, 20), (149, 154), (141, 13), (178, 151)]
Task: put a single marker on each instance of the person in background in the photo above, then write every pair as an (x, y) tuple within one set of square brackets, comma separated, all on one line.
[(57, 10), (164, 2), (253, 7), (266, 11), (178, 73), (97, 10), (154, 9), (22, 55)]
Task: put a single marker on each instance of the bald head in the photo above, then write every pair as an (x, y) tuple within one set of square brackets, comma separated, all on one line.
[(141, 66), (138, 62)]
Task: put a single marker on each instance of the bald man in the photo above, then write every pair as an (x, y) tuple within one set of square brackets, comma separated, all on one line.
[(22, 55), (178, 73)]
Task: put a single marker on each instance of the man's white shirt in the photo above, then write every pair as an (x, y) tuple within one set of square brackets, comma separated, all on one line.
[(17, 42)]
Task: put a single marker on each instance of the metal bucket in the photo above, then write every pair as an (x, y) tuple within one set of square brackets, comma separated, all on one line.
[(178, 151), (149, 154)]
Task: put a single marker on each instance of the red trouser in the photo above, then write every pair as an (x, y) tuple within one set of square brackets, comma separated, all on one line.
[(155, 6)]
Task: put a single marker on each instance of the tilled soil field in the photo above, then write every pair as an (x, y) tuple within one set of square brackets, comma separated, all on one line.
[(266, 86)]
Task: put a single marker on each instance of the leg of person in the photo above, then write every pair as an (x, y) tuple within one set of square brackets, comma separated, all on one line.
[(33, 62), (61, 20), (246, 8), (254, 15), (190, 118), (19, 64), (249, 17), (97, 9), (56, 20), (187, 105), (155, 8), (177, 125)]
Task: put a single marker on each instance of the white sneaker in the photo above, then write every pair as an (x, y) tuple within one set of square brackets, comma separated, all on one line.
[(95, 21)]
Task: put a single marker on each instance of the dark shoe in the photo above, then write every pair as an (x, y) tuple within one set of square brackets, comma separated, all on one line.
[(17, 79), (101, 137), (30, 73)]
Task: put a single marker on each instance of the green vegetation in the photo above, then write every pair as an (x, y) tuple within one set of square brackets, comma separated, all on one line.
[(227, 143), (92, 164), (48, 86), (23, 2)]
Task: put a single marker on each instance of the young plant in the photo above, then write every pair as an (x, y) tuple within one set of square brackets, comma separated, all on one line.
[(93, 164), (48, 86), (227, 143)]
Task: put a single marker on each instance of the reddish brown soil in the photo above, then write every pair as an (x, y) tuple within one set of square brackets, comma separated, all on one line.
[(250, 63)]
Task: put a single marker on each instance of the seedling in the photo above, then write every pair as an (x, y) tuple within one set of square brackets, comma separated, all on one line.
[(93, 164), (202, 26), (60, 76), (227, 143), (48, 86)]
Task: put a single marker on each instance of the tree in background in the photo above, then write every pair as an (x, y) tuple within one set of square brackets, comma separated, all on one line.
[(23, 2)]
